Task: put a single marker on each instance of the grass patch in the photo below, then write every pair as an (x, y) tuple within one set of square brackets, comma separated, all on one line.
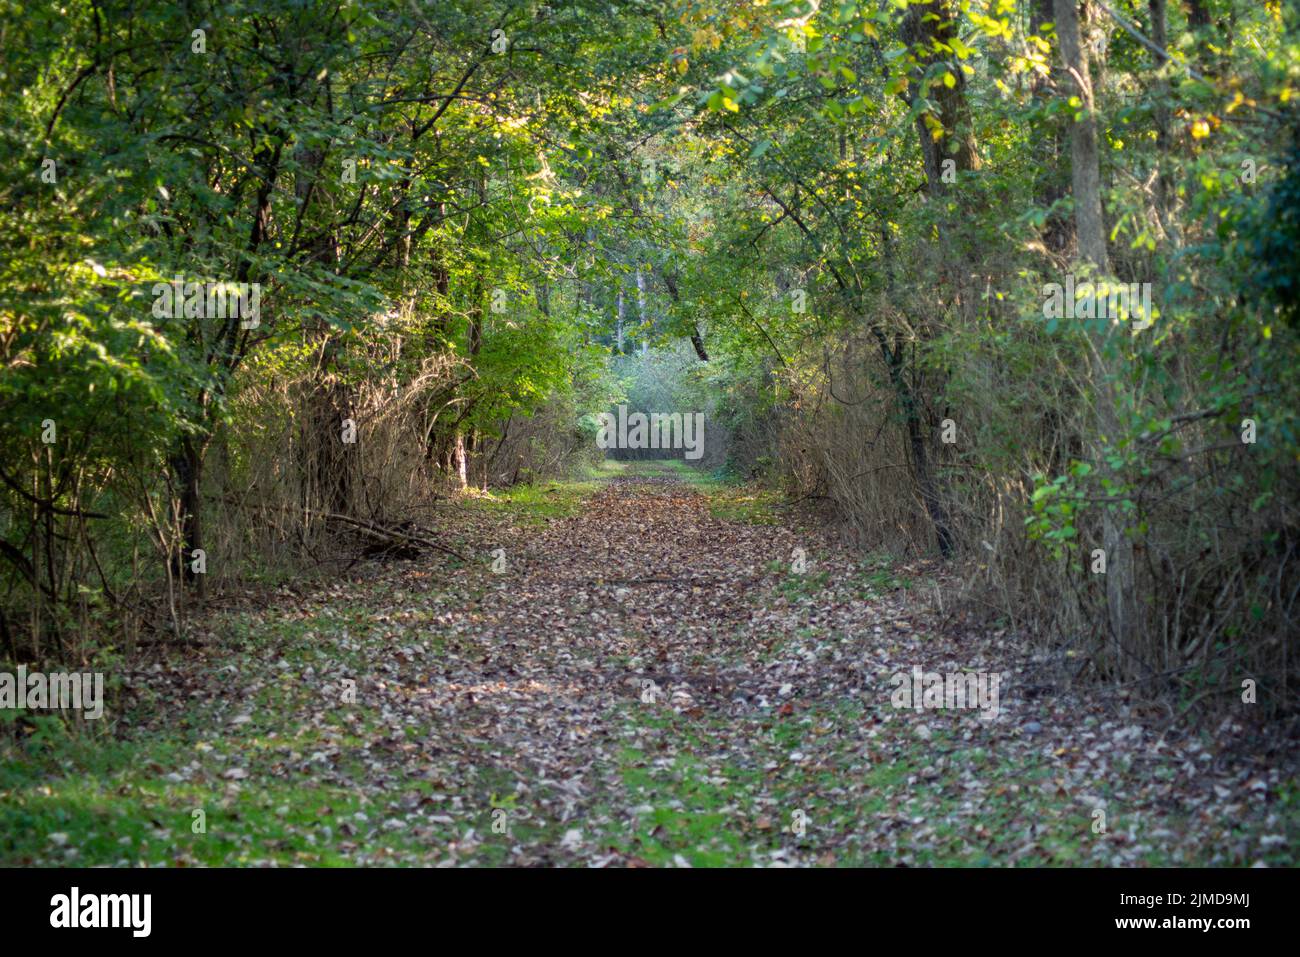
[(694, 798), (746, 504), (540, 503), (876, 578)]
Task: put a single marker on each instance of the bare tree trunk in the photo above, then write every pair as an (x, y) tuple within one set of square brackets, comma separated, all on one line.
[(618, 331), (462, 461)]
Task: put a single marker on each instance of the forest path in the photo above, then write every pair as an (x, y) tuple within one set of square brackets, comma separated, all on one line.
[(647, 679)]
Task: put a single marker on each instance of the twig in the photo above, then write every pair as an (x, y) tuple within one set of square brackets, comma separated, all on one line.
[(391, 535)]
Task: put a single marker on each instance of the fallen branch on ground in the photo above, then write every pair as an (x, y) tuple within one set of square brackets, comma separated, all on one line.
[(391, 535)]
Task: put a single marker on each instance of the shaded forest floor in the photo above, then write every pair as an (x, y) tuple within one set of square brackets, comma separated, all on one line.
[(646, 681)]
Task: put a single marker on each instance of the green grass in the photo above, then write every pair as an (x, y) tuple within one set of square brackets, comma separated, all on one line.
[(131, 799), (115, 807), (599, 471), (877, 577), (804, 585), (749, 505), (720, 813), (653, 468), (545, 501), (116, 804)]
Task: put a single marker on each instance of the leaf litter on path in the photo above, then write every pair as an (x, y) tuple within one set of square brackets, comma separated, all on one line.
[(648, 683)]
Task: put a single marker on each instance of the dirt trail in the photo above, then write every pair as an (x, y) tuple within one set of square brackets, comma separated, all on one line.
[(658, 684), (642, 682), (640, 606)]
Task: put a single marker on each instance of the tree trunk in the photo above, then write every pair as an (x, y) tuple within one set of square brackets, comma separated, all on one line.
[(934, 507), (929, 29), (1091, 233), (187, 467), (462, 461), (618, 327), (1085, 174)]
